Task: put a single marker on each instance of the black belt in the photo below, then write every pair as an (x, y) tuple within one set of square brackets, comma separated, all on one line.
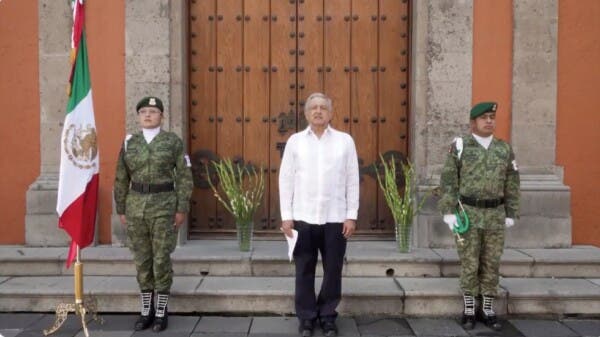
[(152, 188), (481, 203)]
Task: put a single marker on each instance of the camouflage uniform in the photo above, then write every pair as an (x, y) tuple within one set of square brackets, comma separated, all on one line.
[(481, 174), (150, 216)]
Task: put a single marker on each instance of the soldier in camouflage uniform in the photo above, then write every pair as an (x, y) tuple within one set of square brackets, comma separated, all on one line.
[(152, 189), (482, 173)]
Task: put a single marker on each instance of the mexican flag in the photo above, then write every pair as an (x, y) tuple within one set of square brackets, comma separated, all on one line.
[(78, 178)]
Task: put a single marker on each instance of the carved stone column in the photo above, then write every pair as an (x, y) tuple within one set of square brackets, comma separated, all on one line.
[(546, 210)]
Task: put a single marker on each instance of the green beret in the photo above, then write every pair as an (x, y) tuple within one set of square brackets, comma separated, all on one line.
[(150, 101), (481, 108)]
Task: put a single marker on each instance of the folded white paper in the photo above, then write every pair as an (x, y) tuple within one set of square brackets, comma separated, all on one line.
[(291, 243)]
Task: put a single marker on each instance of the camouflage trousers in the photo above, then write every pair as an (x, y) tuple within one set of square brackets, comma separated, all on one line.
[(152, 240), (479, 255)]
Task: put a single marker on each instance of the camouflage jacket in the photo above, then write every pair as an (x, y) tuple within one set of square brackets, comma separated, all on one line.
[(161, 161), (482, 174)]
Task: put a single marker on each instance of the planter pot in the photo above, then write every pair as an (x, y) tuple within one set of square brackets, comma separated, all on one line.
[(404, 237), (244, 236)]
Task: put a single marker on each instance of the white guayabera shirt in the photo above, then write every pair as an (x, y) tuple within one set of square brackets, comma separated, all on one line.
[(318, 178)]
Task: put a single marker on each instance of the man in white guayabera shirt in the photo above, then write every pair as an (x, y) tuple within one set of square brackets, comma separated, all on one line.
[(318, 191)]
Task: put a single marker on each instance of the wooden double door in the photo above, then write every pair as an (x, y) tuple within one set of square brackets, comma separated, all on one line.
[(252, 65)]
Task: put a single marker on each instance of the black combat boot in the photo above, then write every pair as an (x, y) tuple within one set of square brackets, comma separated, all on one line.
[(147, 312), (487, 314), (468, 318), (161, 319)]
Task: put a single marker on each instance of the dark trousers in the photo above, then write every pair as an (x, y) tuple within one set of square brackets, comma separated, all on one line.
[(329, 240)]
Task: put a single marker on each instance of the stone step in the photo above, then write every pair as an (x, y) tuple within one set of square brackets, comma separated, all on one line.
[(268, 258), (275, 295)]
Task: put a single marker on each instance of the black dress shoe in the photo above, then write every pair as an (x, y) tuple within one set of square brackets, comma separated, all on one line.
[(329, 328), (468, 322), (306, 327)]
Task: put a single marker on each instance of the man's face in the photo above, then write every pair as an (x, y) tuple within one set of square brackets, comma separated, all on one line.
[(484, 125), (149, 117), (318, 113)]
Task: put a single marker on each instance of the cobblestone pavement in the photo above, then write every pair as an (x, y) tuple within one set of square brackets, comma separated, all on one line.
[(120, 325)]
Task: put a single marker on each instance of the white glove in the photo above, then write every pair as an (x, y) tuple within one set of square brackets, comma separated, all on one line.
[(450, 220), (509, 222)]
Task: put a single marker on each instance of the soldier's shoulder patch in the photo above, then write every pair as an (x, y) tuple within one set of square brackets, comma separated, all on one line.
[(514, 165)]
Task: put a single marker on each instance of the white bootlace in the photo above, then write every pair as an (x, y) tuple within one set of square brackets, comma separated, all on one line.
[(488, 305), (469, 305), (146, 303), (161, 304)]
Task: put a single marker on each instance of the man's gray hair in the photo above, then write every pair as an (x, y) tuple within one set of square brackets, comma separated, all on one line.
[(318, 95)]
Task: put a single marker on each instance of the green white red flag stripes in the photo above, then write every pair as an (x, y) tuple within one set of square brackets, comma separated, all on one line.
[(78, 178)]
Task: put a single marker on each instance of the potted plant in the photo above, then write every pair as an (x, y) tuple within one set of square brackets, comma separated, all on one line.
[(241, 192), (404, 205)]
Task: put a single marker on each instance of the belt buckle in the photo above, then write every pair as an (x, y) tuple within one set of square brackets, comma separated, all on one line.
[(145, 188)]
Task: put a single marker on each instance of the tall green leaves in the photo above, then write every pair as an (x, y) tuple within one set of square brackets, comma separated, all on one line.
[(402, 205), (241, 188)]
